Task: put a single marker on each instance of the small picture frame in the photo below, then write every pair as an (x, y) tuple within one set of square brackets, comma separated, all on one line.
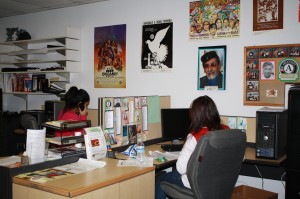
[(211, 68), (267, 68), (132, 134)]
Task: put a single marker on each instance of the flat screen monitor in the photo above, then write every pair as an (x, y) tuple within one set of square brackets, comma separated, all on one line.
[(175, 123)]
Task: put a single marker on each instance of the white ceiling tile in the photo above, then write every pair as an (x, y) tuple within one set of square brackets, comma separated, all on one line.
[(16, 7)]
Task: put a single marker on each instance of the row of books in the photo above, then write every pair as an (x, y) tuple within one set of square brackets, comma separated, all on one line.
[(35, 83)]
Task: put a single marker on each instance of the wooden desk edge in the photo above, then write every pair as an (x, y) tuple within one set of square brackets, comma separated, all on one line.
[(251, 158), (72, 193)]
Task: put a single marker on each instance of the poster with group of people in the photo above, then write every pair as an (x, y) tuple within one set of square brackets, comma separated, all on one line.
[(211, 19)]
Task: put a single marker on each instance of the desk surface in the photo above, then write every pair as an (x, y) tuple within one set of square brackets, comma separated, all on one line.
[(78, 184), (250, 158)]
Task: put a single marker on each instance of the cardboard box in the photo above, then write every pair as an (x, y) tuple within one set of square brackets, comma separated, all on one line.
[(246, 192)]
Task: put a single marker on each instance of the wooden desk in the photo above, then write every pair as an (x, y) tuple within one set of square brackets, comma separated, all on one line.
[(250, 158), (108, 182)]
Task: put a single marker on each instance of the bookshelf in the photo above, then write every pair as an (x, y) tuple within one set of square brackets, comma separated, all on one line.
[(54, 58)]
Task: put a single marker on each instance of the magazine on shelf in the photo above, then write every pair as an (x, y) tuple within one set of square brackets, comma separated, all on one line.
[(65, 124), (95, 143)]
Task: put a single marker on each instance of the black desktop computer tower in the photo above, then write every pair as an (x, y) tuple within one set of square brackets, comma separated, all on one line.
[(52, 109), (292, 189), (271, 133)]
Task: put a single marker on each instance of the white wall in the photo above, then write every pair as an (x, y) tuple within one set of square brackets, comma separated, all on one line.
[(179, 84)]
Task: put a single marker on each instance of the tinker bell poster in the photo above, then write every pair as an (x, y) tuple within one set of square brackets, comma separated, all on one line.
[(110, 57), (214, 19), (157, 46)]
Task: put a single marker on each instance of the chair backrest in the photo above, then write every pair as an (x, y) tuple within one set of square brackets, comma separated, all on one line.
[(29, 122), (214, 166)]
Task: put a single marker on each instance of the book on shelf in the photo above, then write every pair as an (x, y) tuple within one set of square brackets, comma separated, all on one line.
[(37, 81), (27, 84), (20, 86), (65, 124)]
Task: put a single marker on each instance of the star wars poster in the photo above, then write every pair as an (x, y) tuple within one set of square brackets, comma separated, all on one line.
[(214, 19), (267, 15), (157, 46), (110, 57)]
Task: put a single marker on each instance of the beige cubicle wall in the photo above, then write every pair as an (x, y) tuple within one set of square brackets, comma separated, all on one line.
[(250, 127), (93, 116)]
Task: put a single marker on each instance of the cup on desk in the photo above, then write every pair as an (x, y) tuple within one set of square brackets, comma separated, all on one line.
[(78, 145)]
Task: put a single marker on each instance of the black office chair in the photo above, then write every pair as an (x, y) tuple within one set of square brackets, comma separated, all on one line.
[(29, 122), (213, 167)]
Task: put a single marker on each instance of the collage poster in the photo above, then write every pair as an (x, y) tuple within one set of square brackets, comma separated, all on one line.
[(267, 70), (267, 15), (110, 57), (157, 46), (214, 19)]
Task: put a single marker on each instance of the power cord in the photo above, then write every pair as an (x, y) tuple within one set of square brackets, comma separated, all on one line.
[(262, 179), (281, 179)]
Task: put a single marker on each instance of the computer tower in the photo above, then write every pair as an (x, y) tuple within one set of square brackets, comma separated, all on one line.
[(271, 133), (38, 114), (52, 109), (293, 144)]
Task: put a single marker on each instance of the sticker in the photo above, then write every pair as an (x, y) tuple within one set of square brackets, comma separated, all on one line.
[(288, 70), (271, 93)]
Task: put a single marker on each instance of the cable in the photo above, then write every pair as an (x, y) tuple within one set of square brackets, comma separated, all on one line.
[(281, 179), (262, 179)]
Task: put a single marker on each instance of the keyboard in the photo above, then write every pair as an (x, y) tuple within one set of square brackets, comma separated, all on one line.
[(171, 147)]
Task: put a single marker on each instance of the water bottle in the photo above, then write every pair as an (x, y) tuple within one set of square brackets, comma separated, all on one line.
[(140, 150)]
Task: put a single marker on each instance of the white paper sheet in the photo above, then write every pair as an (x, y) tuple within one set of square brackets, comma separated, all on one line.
[(131, 162), (95, 143), (10, 160), (118, 120), (145, 117), (131, 112), (35, 145), (109, 119)]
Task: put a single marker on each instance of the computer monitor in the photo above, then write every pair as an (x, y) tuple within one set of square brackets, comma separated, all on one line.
[(175, 123)]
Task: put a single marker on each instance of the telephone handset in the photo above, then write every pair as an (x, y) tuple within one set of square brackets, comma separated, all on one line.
[(81, 106)]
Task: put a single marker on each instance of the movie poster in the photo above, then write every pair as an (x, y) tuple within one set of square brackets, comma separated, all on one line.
[(157, 46), (214, 19), (267, 15), (110, 57)]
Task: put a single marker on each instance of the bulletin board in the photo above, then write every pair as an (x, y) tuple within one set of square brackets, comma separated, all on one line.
[(122, 118), (266, 71)]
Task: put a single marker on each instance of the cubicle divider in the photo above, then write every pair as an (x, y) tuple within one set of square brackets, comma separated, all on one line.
[(248, 124), (122, 118)]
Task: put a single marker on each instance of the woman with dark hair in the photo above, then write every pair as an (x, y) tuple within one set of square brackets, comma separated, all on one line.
[(204, 117), (76, 107)]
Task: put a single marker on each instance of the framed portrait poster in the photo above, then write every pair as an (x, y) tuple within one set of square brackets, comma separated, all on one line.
[(267, 15), (211, 68)]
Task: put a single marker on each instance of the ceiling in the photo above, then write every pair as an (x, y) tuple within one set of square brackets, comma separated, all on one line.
[(17, 7)]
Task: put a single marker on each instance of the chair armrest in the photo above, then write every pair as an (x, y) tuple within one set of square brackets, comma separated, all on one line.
[(175, 191)]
